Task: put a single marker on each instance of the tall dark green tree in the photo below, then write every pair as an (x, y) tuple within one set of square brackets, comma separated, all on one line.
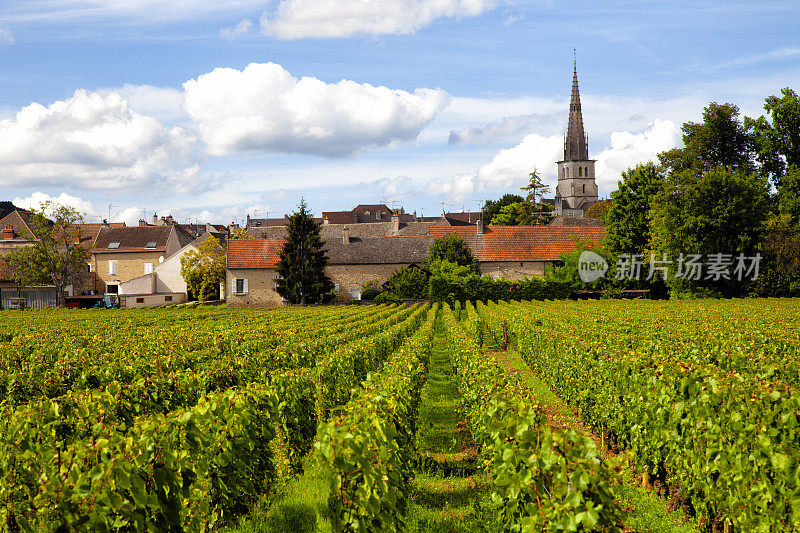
[(627, 225), (302, 261), (720, 140), (720, 211), (776, 137)]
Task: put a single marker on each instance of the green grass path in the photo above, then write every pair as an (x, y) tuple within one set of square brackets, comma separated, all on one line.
[(449, 489)]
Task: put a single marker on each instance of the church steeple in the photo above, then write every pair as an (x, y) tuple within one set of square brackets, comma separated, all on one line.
[(576, 147)]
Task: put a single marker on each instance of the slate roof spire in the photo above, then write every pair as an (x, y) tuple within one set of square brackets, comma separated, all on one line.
[(576, 147)]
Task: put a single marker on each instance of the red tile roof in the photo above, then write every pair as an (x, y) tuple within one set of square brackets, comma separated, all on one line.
[(521, 243), (253, 253)]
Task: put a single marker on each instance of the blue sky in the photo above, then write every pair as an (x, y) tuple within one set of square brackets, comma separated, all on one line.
[(211, 110)]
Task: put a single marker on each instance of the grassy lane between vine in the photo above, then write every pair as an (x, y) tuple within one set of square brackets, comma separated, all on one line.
[(451, 492), (645, 512)]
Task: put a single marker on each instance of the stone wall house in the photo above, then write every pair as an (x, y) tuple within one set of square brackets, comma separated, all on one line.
[(164, 285), (355, 261), (122, 254), (251, 272), (517, 252)]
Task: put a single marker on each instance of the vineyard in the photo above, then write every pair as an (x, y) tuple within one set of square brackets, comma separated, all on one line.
[(524, 416)]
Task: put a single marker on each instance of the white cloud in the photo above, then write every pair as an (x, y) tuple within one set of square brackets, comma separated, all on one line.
[(6, 37), (231, 33), (94, 141), (162, 103), (772, 55), (263, 108), (295, 19), (36, 199), (509, 168), (628, 149)]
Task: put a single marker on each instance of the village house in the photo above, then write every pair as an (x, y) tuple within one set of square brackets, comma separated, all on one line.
[(517, 252), (124, 253), (164, 285), (510, 252)]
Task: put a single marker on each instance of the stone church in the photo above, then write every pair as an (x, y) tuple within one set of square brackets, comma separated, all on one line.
[(576, 189)]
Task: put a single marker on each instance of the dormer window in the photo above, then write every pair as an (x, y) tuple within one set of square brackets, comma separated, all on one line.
[(113, 245), (151, 245), (367, 213)]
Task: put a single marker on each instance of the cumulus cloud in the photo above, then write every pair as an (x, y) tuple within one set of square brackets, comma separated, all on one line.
[(295, 19), (509, 168), (231, 33), (94, 141), (263, 108), (629, 149), (164, 104), (36, 199), (508, 127)]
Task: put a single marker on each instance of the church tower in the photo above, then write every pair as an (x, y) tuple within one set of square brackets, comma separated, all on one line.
[(576, 189)]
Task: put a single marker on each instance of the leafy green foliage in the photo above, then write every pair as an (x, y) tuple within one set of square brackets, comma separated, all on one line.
[(370, 447), (627, 229), (204, 269), (716, 211), (543, 480), (54, 258), (720, 140), (492, 207), (704, 405), (409, 283), (302, 261), (454, 249), (777, 137)]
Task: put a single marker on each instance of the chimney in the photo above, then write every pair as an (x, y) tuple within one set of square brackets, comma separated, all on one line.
[(142, 222), (104, 224), (155, 219), (233, 226), (396, 222), (169, 220), (480, 227), (346, 235), (8, 232), (326, 220)]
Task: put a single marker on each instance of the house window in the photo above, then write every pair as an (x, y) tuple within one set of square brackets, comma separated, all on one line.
[(167, 298), (139, 300), (584, 188), (151, 245), (336, 286), (367, 213), (275, 281), (89, 267), (112, 289), (580, 172), (356, 294), (148, 268), (112, 267), (586, 171), (240, 286), (113, 245)]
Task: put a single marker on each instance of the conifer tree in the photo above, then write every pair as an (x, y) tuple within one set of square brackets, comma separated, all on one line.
[(302, 261)]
